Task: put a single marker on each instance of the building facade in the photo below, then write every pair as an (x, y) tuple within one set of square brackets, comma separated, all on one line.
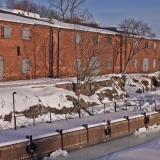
[(35, 48)]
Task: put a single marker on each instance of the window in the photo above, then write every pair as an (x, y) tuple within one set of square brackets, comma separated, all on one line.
[(26, 34), (108, 64), (154, 63), (95, 40), (109, 40), (145, 65), (136, 44), (78, 38), (154, 45), (99, 39), (7, 32), (25, 66), (18, 51), (146, 44), (136, 63), (94, 65), (78, 65)]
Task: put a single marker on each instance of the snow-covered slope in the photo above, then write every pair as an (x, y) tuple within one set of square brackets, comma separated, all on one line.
[(45, 92)]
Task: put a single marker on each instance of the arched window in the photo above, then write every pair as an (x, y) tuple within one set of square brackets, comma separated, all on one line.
[(26, 34), (25, 66), (94, 65), (7, 32), (154, 63), (145, 65), (108, 64), (136, 63)]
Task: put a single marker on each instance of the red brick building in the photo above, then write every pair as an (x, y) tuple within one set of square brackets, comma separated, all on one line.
[(36, 48)]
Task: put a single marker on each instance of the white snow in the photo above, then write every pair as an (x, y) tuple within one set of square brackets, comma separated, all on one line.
[(44, 91), (56, 154), (29, 14), (47, 22)]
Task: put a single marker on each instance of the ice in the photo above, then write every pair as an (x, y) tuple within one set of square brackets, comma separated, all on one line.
[(56, 154)]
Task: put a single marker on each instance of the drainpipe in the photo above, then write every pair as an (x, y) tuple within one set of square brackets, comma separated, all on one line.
[(121, 46), (51, 53), (58, 59)]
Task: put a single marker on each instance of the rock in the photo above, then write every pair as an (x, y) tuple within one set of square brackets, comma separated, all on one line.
[(145, 83), (158, 84), (67, 86), (8, 117), (101, 96), (155, 81), (139, 91), (135, 80), (109, 83), (102, 83), (117, 97)]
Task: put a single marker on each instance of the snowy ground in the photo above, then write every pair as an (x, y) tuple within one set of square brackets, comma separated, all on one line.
[(44, 92)]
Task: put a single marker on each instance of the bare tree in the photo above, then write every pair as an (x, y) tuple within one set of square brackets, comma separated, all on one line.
[(74, 7), (11, 4), (136, 34), (116, 49), (86, 64), (29, 6), (70, 10), (61, 6), (46, 12)]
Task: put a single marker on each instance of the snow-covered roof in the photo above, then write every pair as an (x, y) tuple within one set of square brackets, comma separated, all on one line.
[(28, 14), (6, 16)]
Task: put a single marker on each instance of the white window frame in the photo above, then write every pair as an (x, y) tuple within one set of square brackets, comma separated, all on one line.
[(25, 66), (99, 39), (26, 34), (154, 63), (78, 65), (108, 64), (136, 44), (136, 63), (94, 65), (7, 32), (78, 38), (155, 45)]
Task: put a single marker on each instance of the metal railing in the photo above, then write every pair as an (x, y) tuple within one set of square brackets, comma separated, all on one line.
[(33, 119), (128, 105)]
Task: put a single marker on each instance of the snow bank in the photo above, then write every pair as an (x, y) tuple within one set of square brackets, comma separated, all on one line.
[(148, 129), (56, 154)]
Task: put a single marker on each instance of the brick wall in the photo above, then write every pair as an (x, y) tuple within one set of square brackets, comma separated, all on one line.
[(35, 49), (65, 52)]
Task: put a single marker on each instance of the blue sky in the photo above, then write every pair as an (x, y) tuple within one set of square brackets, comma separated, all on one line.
[(111, 12)]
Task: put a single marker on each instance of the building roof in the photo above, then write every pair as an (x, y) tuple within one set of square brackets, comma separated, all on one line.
[(13, 17)]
